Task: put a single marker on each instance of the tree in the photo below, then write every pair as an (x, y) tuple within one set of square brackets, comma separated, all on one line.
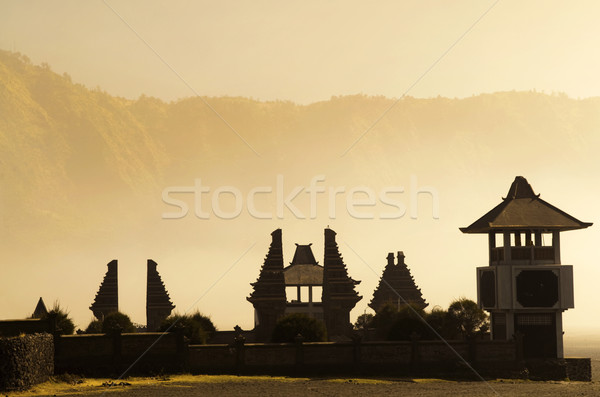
[(198, 328), (467, 318), (117, 320), (364, 322), (290, 325), (61, 319)]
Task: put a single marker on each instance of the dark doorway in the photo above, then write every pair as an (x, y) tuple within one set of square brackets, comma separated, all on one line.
[(539, 334)]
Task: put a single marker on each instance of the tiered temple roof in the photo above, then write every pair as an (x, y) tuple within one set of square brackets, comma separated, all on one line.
[(337, 285), (268, 295), (523, 209), (396, 286), (339, 295), (270, 284), (107, 298), (158, 302)]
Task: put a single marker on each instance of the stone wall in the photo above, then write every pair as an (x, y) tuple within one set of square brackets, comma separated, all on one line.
[(25, 360), (390, 358), (103, 355), (25, 326)]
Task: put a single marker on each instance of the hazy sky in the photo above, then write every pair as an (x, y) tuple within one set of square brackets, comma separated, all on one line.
[(310, 50)]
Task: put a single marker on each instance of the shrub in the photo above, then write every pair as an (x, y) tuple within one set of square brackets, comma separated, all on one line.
[(196, 327), (289, 326), (94, 327), (408, 321), (364, 322), (117, 320), (61, 319)]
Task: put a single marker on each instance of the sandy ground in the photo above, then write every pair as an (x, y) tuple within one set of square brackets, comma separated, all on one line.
[(224, 386)]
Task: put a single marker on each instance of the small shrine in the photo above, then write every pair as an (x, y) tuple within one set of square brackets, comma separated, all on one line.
[(397, 286), (525, 287)]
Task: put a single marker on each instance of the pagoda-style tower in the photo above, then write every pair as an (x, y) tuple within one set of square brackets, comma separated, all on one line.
[(268, 297), (525, 288), (107, 298), (158, 303), (339, 296), (397, 286), (40, 309)]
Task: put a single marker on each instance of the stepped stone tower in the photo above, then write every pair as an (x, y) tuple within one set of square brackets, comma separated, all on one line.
[(158, 303), (396, 286), (268, 297), (339, 296), (107, 298), (40, 309), (525, 287)]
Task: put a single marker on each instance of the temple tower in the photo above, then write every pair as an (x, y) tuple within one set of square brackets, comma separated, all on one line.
[(268, 297), (158, 303), (397, 286), (525, 287), (339, 296), (107, 298)]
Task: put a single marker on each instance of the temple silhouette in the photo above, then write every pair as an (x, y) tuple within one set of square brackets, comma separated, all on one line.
[(107, 297), (525, 287), (338, 295), (397, 286), (326, 293), (158, 302)]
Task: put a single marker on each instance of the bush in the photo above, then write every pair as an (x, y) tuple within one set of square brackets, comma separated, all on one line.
[(94, 327), (61, 319), (197, 327), (117, 320), (289, 326), (408, 321), (439, 321)]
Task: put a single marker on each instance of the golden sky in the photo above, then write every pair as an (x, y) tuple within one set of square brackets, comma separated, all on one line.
[(307, 51)]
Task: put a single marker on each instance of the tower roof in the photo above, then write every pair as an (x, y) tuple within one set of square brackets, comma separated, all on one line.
[(156, 293), (304, 269), (270, 285), (337, 284), (523, 209), (40, 309), (396, 284), (304, 255), (107, 297)]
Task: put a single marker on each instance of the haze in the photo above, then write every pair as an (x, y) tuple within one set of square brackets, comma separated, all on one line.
[(83, 170)]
